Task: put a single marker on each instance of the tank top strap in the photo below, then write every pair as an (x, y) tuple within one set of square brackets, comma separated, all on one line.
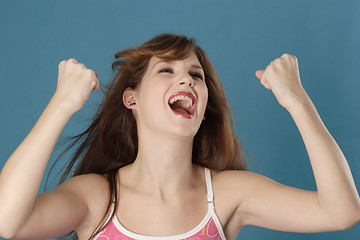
[(210, 193)]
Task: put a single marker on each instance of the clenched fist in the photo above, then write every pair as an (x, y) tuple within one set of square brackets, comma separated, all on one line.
[(75, 84), (282, 77)]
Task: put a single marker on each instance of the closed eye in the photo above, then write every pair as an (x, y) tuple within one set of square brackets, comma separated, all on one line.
[(196, 75), (166, 70)]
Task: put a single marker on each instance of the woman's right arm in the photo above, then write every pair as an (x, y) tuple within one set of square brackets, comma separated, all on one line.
[(22, 174)]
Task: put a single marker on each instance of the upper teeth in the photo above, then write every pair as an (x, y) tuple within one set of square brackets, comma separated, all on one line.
[(181, 97)]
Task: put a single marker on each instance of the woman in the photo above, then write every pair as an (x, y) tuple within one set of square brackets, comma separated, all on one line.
[(160, 160)]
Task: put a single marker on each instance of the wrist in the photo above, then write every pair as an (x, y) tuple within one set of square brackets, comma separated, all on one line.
[(300, 105), (61, 107), (298, 100)]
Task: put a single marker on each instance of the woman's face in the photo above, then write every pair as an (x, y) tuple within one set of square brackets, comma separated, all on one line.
[(172, 97)]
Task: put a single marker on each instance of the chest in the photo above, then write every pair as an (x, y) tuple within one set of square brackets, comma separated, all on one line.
[(149, 216)]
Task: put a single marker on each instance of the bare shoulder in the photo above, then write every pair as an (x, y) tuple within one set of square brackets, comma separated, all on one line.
[(93, 190), (232, 188), (242, 185), (238, 179), (79, 204), (86, 184)]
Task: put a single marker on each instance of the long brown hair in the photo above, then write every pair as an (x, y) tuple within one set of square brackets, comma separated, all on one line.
[(110, 142)]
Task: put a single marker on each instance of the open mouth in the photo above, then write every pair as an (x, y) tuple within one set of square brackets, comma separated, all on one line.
[(183, 104)]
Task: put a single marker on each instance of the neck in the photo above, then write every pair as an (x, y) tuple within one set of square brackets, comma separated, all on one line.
[(163, 164)]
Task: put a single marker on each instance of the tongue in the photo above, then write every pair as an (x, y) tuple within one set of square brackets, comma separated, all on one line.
[(180, 110), (180, 107)]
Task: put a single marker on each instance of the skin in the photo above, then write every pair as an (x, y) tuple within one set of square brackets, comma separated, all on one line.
[(162, 192)]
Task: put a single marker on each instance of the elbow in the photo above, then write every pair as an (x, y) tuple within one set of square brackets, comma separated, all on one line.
[(344, 226), (6, 236), (349, 221), (355, 219), (6, 231)]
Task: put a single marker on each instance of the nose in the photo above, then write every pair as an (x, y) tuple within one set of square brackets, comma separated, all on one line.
[(187, 79)]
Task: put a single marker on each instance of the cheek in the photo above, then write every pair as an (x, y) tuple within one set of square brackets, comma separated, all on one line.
[(151, 100), (205, 95), (150, 103), (203, 99)]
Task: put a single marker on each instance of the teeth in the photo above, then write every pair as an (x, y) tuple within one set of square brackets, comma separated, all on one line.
[(185, 98), (189, 104)]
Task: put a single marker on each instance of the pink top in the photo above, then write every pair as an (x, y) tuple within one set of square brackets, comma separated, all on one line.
[(209, 228)]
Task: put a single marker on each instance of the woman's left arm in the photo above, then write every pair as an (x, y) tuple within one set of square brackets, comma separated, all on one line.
[(336, 199)]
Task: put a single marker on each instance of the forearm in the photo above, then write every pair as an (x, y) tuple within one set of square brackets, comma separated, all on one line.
[(337, 194), (22, 174)]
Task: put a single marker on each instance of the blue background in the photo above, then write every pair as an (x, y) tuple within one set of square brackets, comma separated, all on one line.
[(239, 36)]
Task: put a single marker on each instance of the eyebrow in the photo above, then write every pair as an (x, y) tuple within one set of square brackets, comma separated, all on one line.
[(197, 66), (160, 61)]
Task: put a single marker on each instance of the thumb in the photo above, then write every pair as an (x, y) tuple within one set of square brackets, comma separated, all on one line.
[(259, 73), (97, 85)]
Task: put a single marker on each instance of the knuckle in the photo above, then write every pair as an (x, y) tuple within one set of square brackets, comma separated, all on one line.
[(82, 66), (72, 61), (61, 63), (89, 72)]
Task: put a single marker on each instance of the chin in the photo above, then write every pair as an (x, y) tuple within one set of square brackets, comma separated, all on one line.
[(185, 132)]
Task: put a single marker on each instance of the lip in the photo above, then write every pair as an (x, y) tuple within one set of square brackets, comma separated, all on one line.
[(192, 109)]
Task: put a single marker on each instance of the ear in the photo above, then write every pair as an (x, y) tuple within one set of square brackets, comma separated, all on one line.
[(129, 98)]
